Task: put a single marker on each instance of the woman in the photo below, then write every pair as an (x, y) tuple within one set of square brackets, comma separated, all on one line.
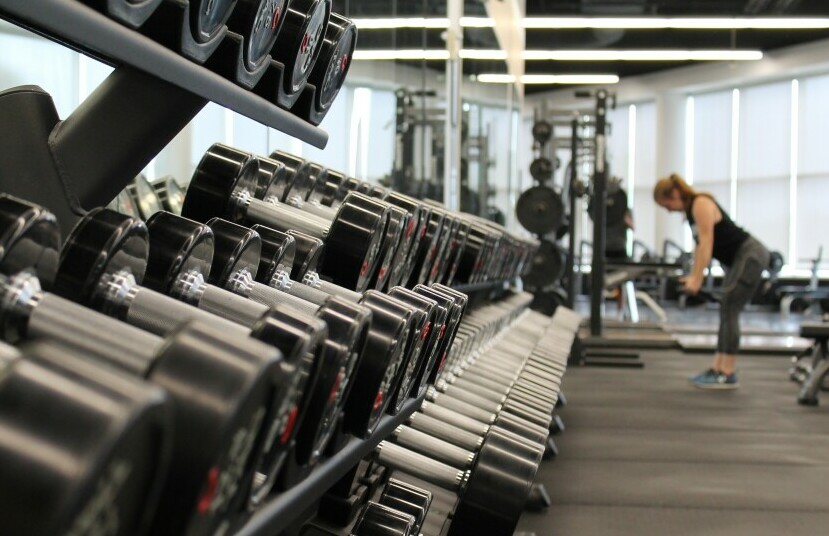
[(743, 257)]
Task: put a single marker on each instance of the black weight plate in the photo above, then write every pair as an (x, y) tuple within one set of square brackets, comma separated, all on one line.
[(103, 243), (392, 243), (29, 240), (178, 246), (617, 206), (542, 131), (298, 44), (334, 190), (272, 180), (309, 253), (259, 22), (331, 69), (541, 169), (353, 243), (378, 370), (236, 250), (224, 176), (299, 177), (208, 16), (278, 253), (114, 430), (425, 318), (540, 210), (546, 267), (379, 520)]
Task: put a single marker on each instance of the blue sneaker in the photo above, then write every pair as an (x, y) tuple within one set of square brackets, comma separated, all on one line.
[(703, 376), (718, 380)]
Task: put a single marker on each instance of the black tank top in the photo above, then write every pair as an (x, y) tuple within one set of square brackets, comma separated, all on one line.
[(728, 236)]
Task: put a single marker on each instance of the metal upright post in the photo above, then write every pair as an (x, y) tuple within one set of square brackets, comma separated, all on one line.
[(571, 245), (599, 216)]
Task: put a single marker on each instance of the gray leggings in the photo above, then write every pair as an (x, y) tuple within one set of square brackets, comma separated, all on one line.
[(741, 281)]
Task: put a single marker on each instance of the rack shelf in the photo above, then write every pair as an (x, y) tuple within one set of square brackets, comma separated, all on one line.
[(280, 512), (81, 28)]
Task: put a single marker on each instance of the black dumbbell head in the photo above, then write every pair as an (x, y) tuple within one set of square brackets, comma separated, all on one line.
[(102, 243), (278, 253), (272, 179), (177, 246), (309, 253), (332, 67), (236, 248), (298, 44), (258, 22), (29, 239), (223, 179), (300, 178)]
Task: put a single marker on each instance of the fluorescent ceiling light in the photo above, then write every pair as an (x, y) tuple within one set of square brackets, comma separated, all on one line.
[(401, 55), (685, 23), (550, 78), (473, 54), (391, 24), (495, 78), (643, 55), (632, 23)]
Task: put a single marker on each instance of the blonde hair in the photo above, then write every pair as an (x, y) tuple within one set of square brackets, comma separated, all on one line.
[(665, 187)]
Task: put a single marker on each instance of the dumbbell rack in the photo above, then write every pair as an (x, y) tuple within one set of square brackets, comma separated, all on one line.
[(279, 513), (152, 95)]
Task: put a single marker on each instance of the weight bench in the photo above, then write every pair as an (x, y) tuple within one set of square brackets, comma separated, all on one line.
[(789, 294), (820, 362)]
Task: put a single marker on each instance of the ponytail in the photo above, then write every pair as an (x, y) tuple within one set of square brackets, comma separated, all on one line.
[(665, 187)]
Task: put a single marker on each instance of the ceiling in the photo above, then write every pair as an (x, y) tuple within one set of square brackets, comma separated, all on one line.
[(570, 39)]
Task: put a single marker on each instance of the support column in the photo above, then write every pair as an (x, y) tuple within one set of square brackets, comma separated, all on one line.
[(454, 71)]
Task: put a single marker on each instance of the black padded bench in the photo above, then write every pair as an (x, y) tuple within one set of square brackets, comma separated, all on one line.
[(820, 361)]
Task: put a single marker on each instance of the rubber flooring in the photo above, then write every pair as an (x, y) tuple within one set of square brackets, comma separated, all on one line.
[(645, 453)]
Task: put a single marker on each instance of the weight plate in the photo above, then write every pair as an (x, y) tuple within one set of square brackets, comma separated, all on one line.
[(57, 408), (278, 253), (331, 69), (546, 267), (178, 246), (776, 262), (272, 179), (102, 244), (309, 253), (208, 16), (547, 301), (236, 253), (222, 183), (299, 177), (298, 44), (541, 169), (392, 242), (259, 22), (335, 190), (29, 240), (540, 210), (542, 131), (617, 206)]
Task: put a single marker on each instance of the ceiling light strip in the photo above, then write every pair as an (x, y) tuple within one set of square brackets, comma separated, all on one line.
[(643, 55), (631, 23), (550, 78)]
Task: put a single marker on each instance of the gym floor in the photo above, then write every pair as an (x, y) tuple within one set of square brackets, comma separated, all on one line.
[(646, 453)]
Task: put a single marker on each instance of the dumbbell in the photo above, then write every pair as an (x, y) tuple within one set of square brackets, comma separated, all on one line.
[(469, 267), (239, 379), (448, 235), (332, 67), (298, 45), (224, 184), (192, 261), (406, 498), (403, 263), (100, 265), (380, 520), (301, 187), (429, 245), (58, 411), (455, 304), (491, 493), (208, 18), (258, 22)]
